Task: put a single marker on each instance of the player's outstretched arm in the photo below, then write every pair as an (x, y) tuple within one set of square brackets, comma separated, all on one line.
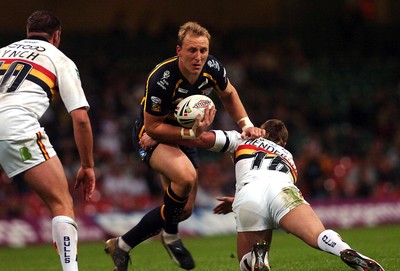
[(206, 140)]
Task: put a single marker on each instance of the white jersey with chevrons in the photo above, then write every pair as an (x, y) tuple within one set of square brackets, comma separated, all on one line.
[(32, 71), (252, 157)]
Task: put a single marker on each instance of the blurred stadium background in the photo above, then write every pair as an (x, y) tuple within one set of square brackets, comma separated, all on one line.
[(329, 69)]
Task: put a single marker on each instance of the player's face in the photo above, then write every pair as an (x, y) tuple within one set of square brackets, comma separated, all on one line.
[(193, 54)]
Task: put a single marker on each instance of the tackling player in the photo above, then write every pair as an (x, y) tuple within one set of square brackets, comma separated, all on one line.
[(267, 198)]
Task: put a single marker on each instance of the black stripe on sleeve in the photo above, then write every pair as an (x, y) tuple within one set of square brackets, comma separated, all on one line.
[(227, 142)]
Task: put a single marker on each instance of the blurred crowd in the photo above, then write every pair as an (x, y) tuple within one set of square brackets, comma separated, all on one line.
[(340, 101)]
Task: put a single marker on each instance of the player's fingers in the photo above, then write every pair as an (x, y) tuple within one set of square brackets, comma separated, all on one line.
[(77, 183), (88, 191), (218, 209), (196, 122), (87, 195), (209, 114)]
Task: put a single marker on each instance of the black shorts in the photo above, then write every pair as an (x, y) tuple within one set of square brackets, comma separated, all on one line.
[(145, 155)]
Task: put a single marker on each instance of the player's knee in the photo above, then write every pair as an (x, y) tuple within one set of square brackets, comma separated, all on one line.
[(187, 182), (187, 187)]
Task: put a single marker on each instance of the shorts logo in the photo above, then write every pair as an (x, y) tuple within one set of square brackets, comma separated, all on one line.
[(25, 154)]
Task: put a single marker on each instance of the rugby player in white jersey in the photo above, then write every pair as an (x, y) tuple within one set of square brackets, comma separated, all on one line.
[(267, 198), (32, 71)]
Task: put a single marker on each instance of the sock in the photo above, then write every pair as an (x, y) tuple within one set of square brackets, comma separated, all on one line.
[(170, 238), (330, 241), (65, 239), (172, 210), (150, 225), (122, 245), (245, 262)]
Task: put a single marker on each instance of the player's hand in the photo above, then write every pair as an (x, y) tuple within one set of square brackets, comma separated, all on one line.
[(252, 133), (201, 125), (87, 179), (147, 142), (225, 206)]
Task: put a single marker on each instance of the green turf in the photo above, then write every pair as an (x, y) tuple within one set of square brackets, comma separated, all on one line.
[(218, 253)]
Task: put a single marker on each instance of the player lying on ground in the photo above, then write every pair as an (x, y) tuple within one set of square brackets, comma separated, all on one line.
[(267, 198)]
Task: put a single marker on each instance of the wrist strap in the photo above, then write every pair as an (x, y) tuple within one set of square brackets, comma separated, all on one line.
[(187, 133), (247, 123)]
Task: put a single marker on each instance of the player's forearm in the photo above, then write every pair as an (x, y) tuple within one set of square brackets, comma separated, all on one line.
[(234, 106), (84, 143), (236, 110), (84, 140), (164, 132), (160, 131)]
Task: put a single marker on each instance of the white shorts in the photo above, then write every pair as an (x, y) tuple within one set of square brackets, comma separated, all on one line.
[(19, 155), (261, 203)]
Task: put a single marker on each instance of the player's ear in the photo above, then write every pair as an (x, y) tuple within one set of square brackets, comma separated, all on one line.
[(56, 38), (178, 50)]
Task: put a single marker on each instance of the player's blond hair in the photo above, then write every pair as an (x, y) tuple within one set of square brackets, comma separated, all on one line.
[(192, 28)]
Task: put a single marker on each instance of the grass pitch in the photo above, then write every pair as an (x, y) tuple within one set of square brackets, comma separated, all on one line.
[(218, 253)]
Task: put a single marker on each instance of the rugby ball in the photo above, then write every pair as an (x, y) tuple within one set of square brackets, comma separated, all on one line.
[(187, 110)]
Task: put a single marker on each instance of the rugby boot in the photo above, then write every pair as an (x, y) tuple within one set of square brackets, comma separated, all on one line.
[(120, 257), (178, 253), (359, 262), (259, 257)]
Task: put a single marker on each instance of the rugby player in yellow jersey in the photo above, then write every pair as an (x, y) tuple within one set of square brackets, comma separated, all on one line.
[(192, 71)]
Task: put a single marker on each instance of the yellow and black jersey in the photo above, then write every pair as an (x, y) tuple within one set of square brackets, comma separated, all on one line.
[(166, 86)]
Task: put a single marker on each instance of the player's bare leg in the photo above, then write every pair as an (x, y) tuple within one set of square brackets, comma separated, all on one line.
[(303, 222), (180, 176), (177, 174), (188, 210), (49, 182)]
